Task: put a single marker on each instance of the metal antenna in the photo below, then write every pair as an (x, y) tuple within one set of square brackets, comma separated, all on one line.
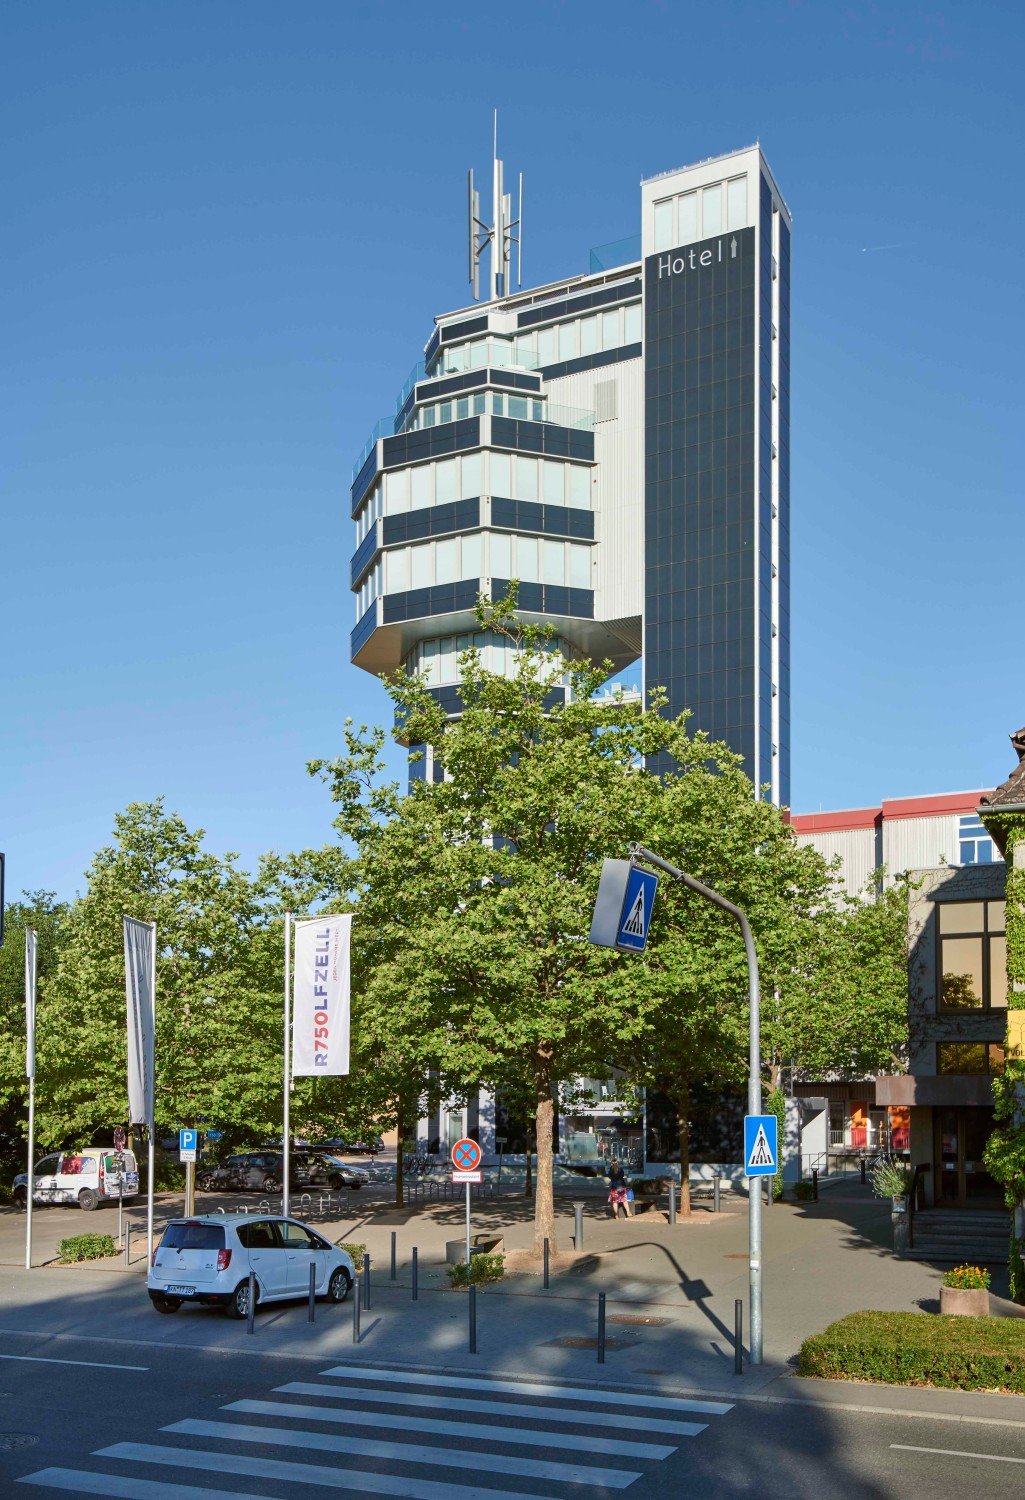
[(501, 234)]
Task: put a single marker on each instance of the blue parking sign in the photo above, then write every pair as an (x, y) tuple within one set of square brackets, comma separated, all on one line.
[(761, 1145), (188, 1140)]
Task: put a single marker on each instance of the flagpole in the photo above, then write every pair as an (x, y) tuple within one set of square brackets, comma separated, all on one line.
[(152, 1096), (30, 1069), (287, 1109)]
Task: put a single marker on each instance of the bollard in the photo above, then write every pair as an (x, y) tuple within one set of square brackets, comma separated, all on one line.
[(473, 1318), (394, 1255), (738, 1337), (769, 1181), (601, 1328), (312, 1309), (415, 1268), (815, 1184), (366, 1280), (355, 1313), (578, 1226), (863, 1179), (128, 1246), (546, 1263), (716, 1185), (672, 1201), (251, 1304)]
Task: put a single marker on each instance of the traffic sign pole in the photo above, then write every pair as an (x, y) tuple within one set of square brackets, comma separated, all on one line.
[(466, 1158), (754, 1080)]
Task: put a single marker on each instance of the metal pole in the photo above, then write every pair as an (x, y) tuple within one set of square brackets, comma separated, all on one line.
[(601, 1328), (416, 1289), (672, 1201), (121, 1205), (716, 1186), (394, 1255), (128, 1246), (31, 1170), (546, 1262), (355, 1313), (366, 1279), (468, 1256), (151, 1123), (578, 1226), (863, 1171), (644, 1131), (738, 1337), (473, 1318), (286, 1112), (754, 1079), (251, 1304), (312, 1310), (815, 1184), (190, 1189)]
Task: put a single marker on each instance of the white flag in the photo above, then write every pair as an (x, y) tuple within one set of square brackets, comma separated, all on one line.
[(320, 1010), (31, 959), (140, 938)]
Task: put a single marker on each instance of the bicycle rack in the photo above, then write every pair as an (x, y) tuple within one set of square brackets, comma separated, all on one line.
[(264, 1206), (305, 1205)]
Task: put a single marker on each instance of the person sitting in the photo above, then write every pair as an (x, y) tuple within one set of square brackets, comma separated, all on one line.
[(618, 1187)]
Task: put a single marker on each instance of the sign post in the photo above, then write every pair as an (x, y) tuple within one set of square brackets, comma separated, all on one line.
[(466, 1159), (120, 1140), (188, 1145), (622, 914), (31, 958)]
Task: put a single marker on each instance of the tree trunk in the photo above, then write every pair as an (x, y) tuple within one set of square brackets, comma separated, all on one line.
[(683, 1126), (400, 1131), (544, 1199)]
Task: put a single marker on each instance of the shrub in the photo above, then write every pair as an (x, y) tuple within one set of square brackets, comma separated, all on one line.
[(86, 1247), (804, 1192), (967, 1278), (482, 1270), (357, 1249), (891, 1179), (968, 1354)]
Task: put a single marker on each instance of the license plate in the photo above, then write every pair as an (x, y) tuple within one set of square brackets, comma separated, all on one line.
[(182, 1291)]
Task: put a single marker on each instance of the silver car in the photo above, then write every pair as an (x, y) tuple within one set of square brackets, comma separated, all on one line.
[(208, 1260)]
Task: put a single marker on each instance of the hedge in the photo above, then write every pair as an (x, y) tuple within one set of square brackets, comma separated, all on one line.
[(86, 1247), (968, 1354)]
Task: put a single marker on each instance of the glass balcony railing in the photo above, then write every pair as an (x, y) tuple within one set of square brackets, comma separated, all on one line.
[(478, 355), (615, 253)]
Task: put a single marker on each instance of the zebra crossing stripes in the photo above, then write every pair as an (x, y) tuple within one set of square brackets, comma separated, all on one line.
[(425, 1457)]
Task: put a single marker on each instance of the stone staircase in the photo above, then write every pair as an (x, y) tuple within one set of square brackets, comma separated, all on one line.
[(976, 1236)]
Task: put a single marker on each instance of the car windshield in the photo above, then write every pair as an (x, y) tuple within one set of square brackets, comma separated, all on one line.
[(193, 1236)]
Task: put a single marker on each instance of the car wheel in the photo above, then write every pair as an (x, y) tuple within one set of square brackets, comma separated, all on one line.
[(334, 1182), (87, 1200), (237, 1305), (20, 1199), (339, 1286), (204, 1182), (166, 1304), (271, 1184), (354, 1187)]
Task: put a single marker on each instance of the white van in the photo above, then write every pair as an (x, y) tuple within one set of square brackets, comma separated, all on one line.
[(88, 1178)]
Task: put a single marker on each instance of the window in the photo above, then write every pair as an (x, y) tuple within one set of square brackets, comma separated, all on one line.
[(518, 407), (610, 330), (470, 476), (396, 571), (663, 224), (445, 482), (552, 485), (579, 567), (420, 566), (567, 340), (526, 479), (262, 1236), (736, 203), (445, 560), (193, 1235), (969, 1057), (500, 470), (687, 206), (976, 846), (500, 555), (526, 559), (299, 1237), (472, 556), (396, 492), (552, 562), (711, 211), (546, 346), (632, 315), (579, 487), (972, 955), (588, 335), (421, 487)]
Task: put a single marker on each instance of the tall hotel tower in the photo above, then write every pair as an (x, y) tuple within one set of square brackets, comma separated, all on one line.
[(619, 442)]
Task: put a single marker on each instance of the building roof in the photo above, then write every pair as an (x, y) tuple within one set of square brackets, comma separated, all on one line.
[(1009, 795), (845, 819)]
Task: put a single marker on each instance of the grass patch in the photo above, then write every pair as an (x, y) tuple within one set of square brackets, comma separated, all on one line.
[(482, 1270), (85, 1247), (966, 1354)]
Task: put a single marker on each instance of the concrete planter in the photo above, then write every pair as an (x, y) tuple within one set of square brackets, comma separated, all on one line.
[(483, 1244), (964, 1302)]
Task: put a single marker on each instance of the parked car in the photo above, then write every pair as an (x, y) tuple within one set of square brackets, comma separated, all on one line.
[(88, 1178), (325, 1169), (249, 1171), (208, 1260)]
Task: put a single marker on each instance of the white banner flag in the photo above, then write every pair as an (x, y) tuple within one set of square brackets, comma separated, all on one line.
[(31, 960), (140, 938), (320, 1011)]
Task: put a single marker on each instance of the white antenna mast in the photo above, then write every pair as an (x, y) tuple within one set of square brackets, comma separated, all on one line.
[(501, 234)]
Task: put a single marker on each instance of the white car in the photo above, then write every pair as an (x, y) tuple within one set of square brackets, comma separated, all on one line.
[(208, 1260), (90, 1177)]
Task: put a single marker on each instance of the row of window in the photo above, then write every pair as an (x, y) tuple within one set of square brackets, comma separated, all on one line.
[(537, 348), (976, 846), (969, 1057), (479, 554), (438, 659), (700, 214), (972, 955), (547, 481), (522, 408)]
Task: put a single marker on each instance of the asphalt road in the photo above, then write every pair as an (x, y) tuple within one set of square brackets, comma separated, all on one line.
[(153, 1422)]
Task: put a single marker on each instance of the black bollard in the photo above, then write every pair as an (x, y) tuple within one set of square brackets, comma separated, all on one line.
[(355, 1312), (716, 1185), (601, 1328), (672, 1201), (815, 1184), (863, 1171), (394, 1255), (738, 1337), (128, 1245), (546, 1263), (578, 1226), (366, 1279), (415, 1269), (251, 1304), (473, 1318), (311, 1312)]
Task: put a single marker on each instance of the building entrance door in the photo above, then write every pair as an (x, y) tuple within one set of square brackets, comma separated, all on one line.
[(961, 1177)]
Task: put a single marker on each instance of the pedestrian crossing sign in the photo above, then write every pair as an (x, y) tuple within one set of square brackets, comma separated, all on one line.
[(761, 1145)]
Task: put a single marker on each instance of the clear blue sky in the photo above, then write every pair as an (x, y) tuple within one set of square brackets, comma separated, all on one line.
[(227, 228)]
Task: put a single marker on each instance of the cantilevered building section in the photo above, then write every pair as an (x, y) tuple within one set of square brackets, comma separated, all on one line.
[(618, 442)]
